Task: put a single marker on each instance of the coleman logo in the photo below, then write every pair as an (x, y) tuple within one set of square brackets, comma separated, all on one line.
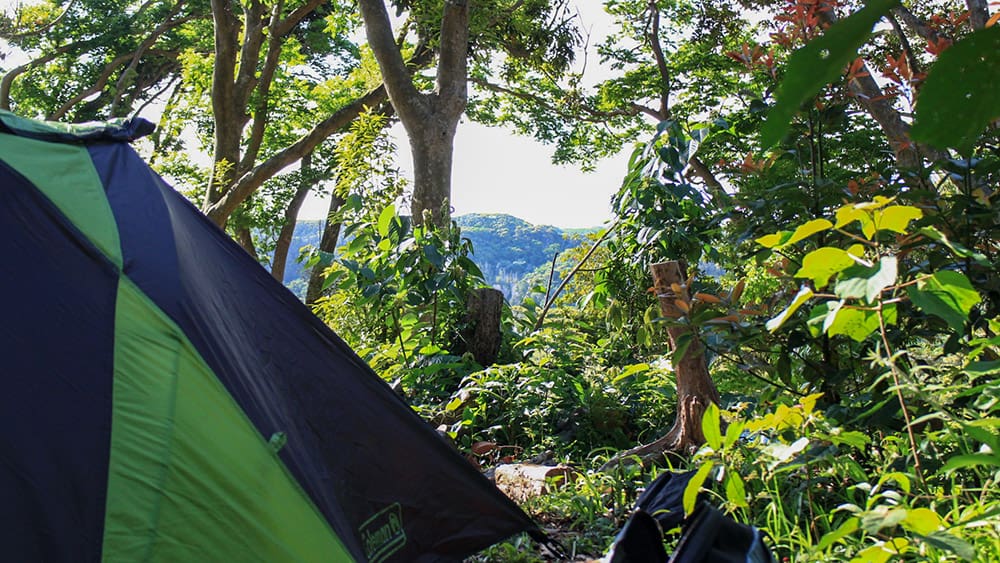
[(382, 534)]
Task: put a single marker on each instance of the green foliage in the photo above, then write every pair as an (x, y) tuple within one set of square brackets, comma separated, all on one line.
[(957, 101), (818, 63)]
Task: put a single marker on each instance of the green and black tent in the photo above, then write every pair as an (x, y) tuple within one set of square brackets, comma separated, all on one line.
[(165, 399)]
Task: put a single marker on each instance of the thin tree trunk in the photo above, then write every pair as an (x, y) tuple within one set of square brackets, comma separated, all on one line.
[(245, 238), (327, 246), (281, 247)]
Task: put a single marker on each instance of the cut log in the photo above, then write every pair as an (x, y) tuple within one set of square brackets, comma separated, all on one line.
[(482, 333)]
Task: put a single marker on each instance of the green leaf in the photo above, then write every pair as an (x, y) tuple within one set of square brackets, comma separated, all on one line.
[(922, 521), (681, 347), (694, 487), (847, 528), (896, 218), (801, 297), (710, 426), (385, 219), (860, 281), (434, 256), (733, 432), (819, 62), (970, 460), (774, 240), (980, 368), (947, 542), (809, 229), (882, 517), (735, 491), (854, 323), (946, 294), (956, 248), (824, 262), (960, 96), (852, 438)]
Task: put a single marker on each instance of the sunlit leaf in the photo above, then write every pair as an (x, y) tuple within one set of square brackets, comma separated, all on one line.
[(819, 62), (773, 240), (733, 432), (809, 229), (710, 426), (385, 219), (735, 490), (896, 218), (694, 487), (854, 323), (847, 528), (959, 98), (822, 263), (801, 297), (809, 402), (858, 281), (922, 521)]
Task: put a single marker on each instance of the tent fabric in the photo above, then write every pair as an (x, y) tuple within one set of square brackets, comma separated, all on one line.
[(169, 400)]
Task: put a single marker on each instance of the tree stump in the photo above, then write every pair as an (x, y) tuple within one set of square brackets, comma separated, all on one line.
[(482, 331), (695, 388)]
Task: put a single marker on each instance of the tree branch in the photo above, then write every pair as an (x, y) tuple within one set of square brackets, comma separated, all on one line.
[(405, 97), (653, 36), (916, 25), (227, 126), (97, 86), (296, 16), (245, 186), (148, 42), (260, 114), (452, 74)]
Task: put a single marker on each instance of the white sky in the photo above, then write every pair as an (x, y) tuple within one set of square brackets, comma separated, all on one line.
[(498, 172)]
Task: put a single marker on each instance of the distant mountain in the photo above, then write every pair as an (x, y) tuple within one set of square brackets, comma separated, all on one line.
[(506, 249)]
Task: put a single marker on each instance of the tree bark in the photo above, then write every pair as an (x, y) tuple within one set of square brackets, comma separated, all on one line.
[(482, 334), (695, 388)]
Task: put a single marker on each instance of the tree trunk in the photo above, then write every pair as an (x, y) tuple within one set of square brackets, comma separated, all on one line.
[(327, 245), (695, 388), (432, 145), (482, 333), (430, 118), (281, 247), (245, 238)]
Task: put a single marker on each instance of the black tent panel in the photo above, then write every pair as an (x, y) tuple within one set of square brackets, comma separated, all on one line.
[(56, 371)]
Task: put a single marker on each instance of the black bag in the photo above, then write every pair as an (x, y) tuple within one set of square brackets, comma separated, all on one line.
[(708, 536)]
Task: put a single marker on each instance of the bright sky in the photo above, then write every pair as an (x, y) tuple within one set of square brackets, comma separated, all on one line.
[(498, 172)]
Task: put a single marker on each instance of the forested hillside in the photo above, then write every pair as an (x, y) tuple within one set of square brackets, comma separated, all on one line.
[(834, 380), (507, 249)]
